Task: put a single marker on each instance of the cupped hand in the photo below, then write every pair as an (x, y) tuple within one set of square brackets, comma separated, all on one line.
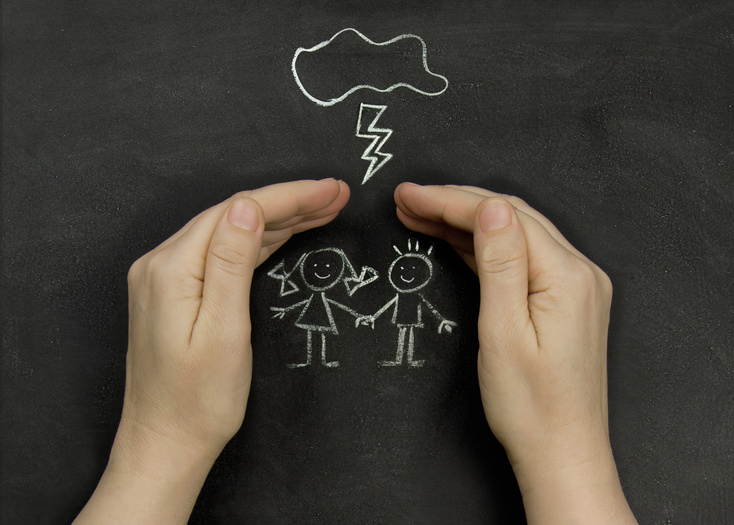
[(189, 354), (189, 361), (542, 326)]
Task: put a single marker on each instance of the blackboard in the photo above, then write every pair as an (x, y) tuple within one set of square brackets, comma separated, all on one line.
[(121, 120)]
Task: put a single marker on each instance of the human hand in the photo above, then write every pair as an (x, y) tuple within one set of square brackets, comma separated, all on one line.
[(189, 361), (543, 323)]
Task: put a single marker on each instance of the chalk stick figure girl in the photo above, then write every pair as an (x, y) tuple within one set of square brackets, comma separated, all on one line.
[(408, 274), (320, 270)]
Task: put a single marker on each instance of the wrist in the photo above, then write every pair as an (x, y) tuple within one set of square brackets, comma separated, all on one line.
[(149, 479), (578, 487), (145, 452)]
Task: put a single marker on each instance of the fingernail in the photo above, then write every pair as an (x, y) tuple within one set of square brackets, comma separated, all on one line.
[(243, 215), (494, 216)]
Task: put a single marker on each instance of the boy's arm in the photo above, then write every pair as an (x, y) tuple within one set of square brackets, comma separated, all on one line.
[(445, 324), (384, 308), (543, 322)]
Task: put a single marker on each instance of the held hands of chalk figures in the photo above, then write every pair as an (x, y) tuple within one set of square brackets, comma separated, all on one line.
[(365, 320)]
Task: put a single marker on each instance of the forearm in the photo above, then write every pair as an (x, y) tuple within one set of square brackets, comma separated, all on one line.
[(151, 482)]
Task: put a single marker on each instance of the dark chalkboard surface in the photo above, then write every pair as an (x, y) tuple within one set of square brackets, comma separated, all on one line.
[(121, 120)]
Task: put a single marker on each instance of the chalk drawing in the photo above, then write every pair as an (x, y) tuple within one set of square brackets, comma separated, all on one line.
[(336, 100), (409, 273), (379, 136), (320, 271)]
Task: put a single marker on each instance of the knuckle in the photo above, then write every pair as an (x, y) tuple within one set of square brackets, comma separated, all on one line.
[(568, 276), (606, 284), (158, 265), (227, 258), (501, 261), (585, 275), (578, 279), (583, 279), (158, 272), (135, 272)]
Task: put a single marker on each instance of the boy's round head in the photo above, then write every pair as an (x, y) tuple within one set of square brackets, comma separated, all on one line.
[(410, 272)]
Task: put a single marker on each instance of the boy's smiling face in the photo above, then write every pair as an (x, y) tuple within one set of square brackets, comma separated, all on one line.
[(410, 272), (322, 269)]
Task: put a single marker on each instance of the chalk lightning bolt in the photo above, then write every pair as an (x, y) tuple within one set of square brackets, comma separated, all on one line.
[(379, 136)]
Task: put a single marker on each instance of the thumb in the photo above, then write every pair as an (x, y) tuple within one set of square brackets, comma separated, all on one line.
[(502, 266), (230, 262)]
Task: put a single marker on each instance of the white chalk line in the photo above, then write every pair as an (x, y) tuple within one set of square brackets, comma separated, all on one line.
[(379, 137)]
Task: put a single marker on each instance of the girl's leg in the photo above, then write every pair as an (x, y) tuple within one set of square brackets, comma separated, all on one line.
[(330, 364), (309, 352)]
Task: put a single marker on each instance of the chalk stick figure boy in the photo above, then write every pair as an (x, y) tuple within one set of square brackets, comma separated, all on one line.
[(408, 274)]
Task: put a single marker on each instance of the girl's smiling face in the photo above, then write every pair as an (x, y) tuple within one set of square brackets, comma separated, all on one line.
[(322, 269)]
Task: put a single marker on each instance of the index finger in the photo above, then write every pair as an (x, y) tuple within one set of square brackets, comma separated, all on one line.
[(524, 207), (285, 207), (455, 206), (288, 201), (450, 211)]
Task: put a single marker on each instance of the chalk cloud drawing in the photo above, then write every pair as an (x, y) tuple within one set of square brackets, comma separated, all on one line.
[(369, 75), (409, 273), (320, 270), (365, 72)]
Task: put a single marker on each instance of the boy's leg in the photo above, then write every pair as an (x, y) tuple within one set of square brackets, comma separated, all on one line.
[(411, 349), (401, 349), (330, 364)]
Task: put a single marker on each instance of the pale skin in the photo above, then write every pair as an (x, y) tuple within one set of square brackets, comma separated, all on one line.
[(541, 362)]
